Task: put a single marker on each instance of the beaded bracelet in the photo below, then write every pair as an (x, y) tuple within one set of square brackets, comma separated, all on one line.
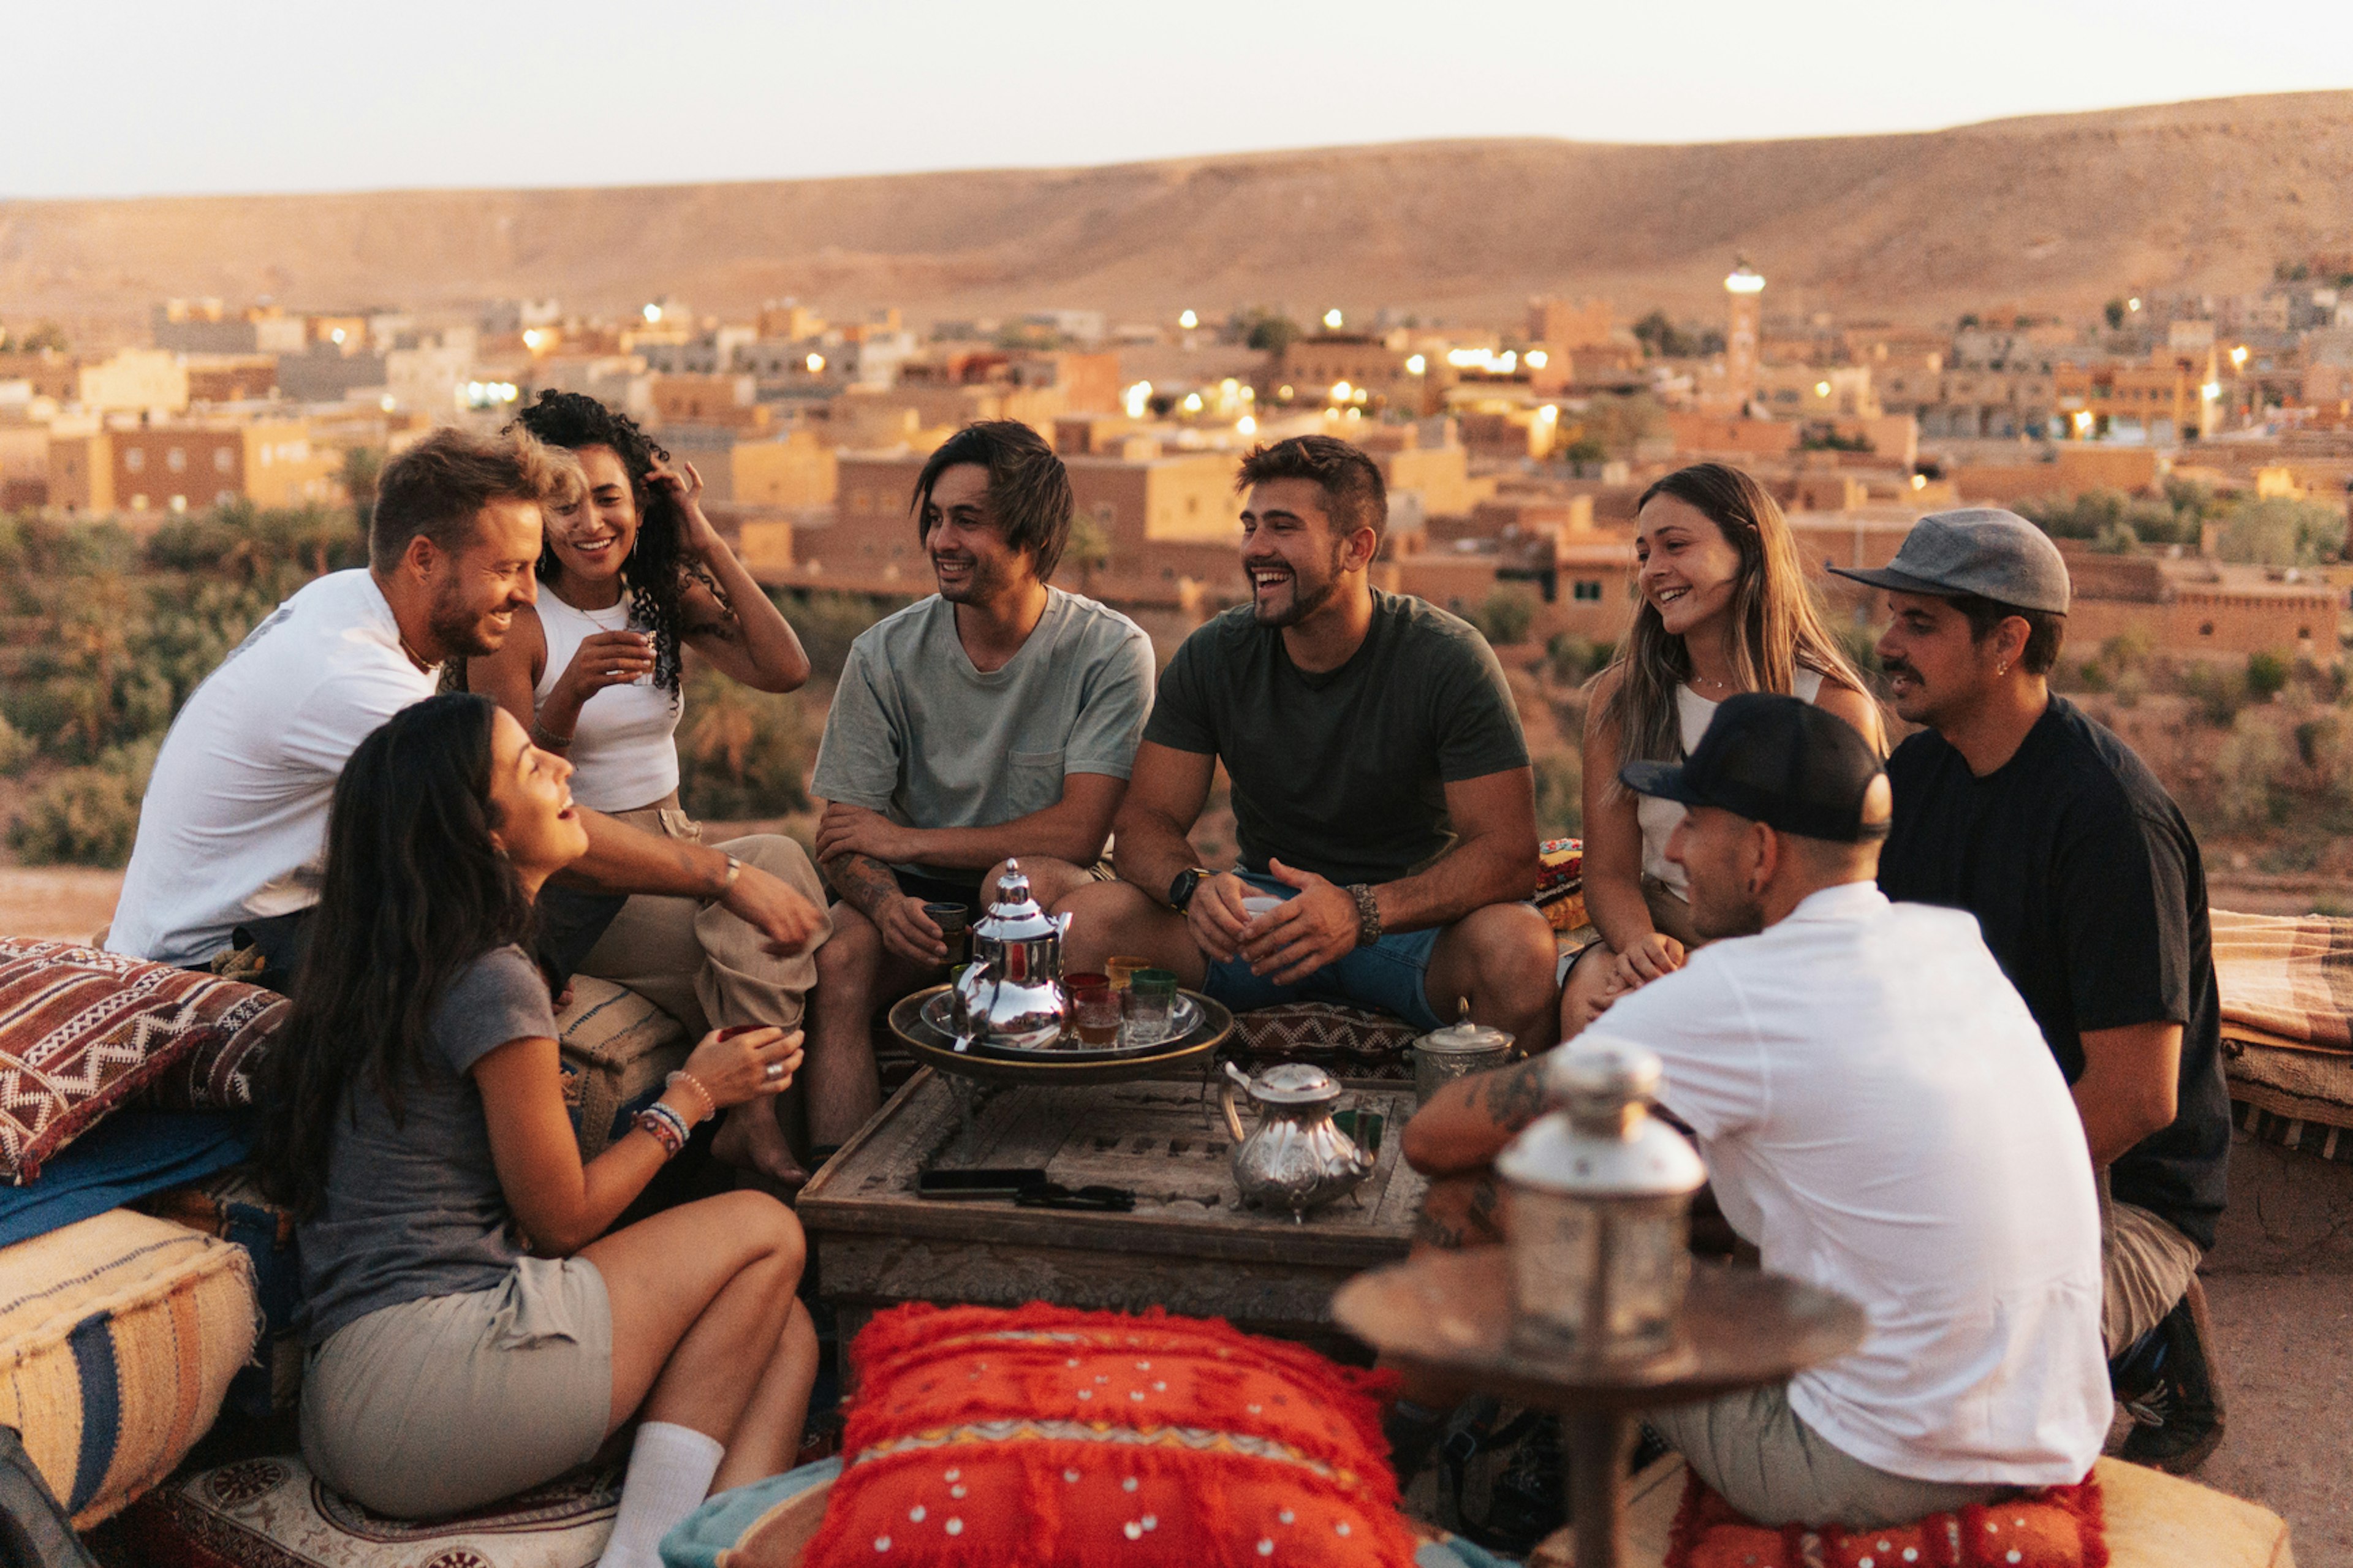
[(709, 1105), (668, 1128)]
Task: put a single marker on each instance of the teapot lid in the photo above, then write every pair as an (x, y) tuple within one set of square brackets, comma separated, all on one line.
[(1463, 1035), (1015, 916), (1294, 1083)]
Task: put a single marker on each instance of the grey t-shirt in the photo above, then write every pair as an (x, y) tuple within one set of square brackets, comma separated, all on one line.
[(919, 735), (417, 1210)]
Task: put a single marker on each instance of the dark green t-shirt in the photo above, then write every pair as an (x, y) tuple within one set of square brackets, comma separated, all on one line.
[(1343, 773)]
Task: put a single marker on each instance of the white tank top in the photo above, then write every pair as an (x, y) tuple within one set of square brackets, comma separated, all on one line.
[(624, 750), (1659, 817)]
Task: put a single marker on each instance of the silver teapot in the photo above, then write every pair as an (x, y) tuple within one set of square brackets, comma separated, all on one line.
[(1296, 1157), (1011, 993)]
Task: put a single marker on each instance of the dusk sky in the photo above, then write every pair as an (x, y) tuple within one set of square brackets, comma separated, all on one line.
[(262, 95)]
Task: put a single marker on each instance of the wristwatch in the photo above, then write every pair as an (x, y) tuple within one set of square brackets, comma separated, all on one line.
[(1181, 890)]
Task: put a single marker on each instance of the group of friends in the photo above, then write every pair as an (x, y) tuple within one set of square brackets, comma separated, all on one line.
[(422, 796)]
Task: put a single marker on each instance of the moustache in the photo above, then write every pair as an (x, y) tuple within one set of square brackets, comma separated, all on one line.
[(1897, 667)]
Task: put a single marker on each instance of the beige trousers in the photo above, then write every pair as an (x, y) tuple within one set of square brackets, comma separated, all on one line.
[(702, 965), (2146, 1267)]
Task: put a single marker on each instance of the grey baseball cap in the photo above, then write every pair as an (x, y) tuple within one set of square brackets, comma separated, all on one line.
[(1985, 550)]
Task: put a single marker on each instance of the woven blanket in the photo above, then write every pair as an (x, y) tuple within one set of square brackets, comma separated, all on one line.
[(83, 1030), (2288, 976), (2057, 1527), (1347, 1041), (1560, 882)]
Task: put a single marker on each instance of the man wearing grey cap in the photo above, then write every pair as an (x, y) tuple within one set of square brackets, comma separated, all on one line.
[(2086, 883)]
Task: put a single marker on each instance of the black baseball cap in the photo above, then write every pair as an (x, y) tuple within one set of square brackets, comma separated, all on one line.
[(1775, 759)]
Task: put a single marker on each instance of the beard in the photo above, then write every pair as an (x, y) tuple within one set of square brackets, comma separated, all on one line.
[(983, 581), (465, 631), (1307, 597), (1717, 916)]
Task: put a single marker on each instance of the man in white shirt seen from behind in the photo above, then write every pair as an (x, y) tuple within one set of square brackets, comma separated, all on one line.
[(1879, 1117), (234, 822)]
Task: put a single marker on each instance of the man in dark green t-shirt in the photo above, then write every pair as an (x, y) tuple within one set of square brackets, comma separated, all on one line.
[(1381, 786)]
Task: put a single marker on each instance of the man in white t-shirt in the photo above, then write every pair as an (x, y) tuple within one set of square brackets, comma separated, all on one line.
[(234, 822), (1879, 1117)]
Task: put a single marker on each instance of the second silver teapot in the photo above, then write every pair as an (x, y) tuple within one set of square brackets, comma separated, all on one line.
[(1296, 1157), (1011, 993)]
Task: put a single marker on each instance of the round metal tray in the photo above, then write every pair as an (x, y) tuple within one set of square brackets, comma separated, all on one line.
[(933, 1048), (937, 1015)]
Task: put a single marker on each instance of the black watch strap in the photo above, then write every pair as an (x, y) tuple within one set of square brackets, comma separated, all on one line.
[(1188, 882)]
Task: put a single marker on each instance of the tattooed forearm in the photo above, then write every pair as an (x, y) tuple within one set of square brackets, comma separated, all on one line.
[(1513, 1096), (1460, 1211), (864, 881)]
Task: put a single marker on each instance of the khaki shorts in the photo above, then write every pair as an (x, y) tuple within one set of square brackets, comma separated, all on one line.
[(441, 1404)]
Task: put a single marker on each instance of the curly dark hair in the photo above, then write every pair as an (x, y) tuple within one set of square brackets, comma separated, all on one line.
[(416, 889), (657, 571)]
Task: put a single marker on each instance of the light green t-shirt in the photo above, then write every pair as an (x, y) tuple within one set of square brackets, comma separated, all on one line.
[(918, 735)]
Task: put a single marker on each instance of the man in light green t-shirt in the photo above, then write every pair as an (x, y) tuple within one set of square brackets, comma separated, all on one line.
[(997, 720)]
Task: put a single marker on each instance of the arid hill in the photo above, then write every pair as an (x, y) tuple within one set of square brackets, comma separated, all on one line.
[(2058, 211)]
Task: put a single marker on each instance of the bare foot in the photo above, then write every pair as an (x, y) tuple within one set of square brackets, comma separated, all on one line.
[(750, 1140)]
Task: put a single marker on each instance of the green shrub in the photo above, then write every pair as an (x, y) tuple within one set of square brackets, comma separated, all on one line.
[(16, 749), (2281, 531), (742, 753), (829, 622), (1505, 616), (2247, 770), (86, 817), (1574, 660), (1560, 793), (2217, 695), (2267, 676)]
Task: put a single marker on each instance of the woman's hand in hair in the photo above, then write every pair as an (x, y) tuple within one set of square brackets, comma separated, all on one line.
[(734, 1068), (686, 489)]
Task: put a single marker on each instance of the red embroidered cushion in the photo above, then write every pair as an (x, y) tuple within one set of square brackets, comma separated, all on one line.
[(1051, 1437), (81, 1031), (2058, 1527)]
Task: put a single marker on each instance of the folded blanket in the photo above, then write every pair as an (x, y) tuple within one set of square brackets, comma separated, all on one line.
[(2288, 976), (128, 1156)]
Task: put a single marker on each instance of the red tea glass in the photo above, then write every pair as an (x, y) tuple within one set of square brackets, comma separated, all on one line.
[(1094, 1008)]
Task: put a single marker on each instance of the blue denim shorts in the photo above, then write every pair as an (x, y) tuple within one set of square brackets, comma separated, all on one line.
[(1387, 976)]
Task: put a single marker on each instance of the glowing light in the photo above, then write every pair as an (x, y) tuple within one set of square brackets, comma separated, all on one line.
[(1188, 320), (387, 403), (337, 334), (816, 362), (1745, 280), (2210, 391), (1192, 403), (1341, 390), (2082, 420), (1228, 387), (1245, 425), (1548, 414), (1138, 398), (1919, 482), (652, 314), (2132, 304), (1821, 389), (2239, 357), (1332, 320), (1511, 361), (1284, 393), (1538, 359), (1249, 393), (532, 338), (1487, 360), (1415, 364)]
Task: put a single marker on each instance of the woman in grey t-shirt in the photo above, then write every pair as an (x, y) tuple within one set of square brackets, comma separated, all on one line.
[(474, 1330)]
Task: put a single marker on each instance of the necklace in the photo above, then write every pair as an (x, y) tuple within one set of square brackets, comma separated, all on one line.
[(1718, 685), (415, 657)]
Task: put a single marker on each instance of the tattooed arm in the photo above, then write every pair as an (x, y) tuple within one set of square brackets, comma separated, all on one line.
[(1466, 1124), (867, 885)]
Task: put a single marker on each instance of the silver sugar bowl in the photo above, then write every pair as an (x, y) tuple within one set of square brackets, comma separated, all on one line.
[(1458, 1050)]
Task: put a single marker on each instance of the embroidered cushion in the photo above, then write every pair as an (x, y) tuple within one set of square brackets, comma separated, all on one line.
[(231, 1205), (616, 1050), (1560, 882), (274, 1513), (1347, 1041), (82, 1030), (1049, 1436), (2057, 1527), (118, 1338)]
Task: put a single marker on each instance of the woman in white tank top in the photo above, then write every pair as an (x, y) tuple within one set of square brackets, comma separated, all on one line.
[(629, 580), (1724, 608)]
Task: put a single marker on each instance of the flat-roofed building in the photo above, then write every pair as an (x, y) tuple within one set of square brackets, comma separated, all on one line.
[(191, 466)]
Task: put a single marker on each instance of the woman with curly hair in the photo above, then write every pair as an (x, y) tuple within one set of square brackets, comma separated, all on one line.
[(475, 1324), (1724, 608), (629, 578)]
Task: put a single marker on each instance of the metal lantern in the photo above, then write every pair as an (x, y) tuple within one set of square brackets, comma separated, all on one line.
[(1598, 1210)]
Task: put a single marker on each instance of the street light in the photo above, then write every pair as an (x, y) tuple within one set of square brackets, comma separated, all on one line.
[(816, 362), (1188, 320), (1415, 364), (1332, 320), (1340, 391)]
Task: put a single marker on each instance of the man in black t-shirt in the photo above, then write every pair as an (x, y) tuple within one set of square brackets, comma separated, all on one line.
[(1381, 790), (2087, 885)]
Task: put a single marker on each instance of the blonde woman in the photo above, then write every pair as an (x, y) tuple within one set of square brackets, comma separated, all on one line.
[(1724, 608)]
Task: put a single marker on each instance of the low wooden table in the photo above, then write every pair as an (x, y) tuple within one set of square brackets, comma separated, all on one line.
[(1189, 1246)]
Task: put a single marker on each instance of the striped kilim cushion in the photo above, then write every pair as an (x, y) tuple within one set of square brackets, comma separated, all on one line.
[(231, 1205), (83, 1030), (118, 1337), (1348, 1041), (274, 1513)]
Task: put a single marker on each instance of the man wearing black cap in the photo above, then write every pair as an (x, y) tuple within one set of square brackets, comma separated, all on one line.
[(2086, 883), (1880, 1116)]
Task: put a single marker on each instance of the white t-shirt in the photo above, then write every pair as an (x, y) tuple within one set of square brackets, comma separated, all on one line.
[(624, 752), (235, 822), (1882, 1118), (1659, 815)]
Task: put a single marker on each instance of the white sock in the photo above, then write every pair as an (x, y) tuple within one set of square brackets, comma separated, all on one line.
[(669, 1474)]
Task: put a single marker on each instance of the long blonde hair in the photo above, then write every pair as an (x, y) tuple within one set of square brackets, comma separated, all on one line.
[(1778, 612)]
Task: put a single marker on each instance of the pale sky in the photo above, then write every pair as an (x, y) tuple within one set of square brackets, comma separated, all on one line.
[(197, 96)]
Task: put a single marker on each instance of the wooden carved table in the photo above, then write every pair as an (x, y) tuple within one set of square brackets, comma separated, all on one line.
[(1189, 1246)]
